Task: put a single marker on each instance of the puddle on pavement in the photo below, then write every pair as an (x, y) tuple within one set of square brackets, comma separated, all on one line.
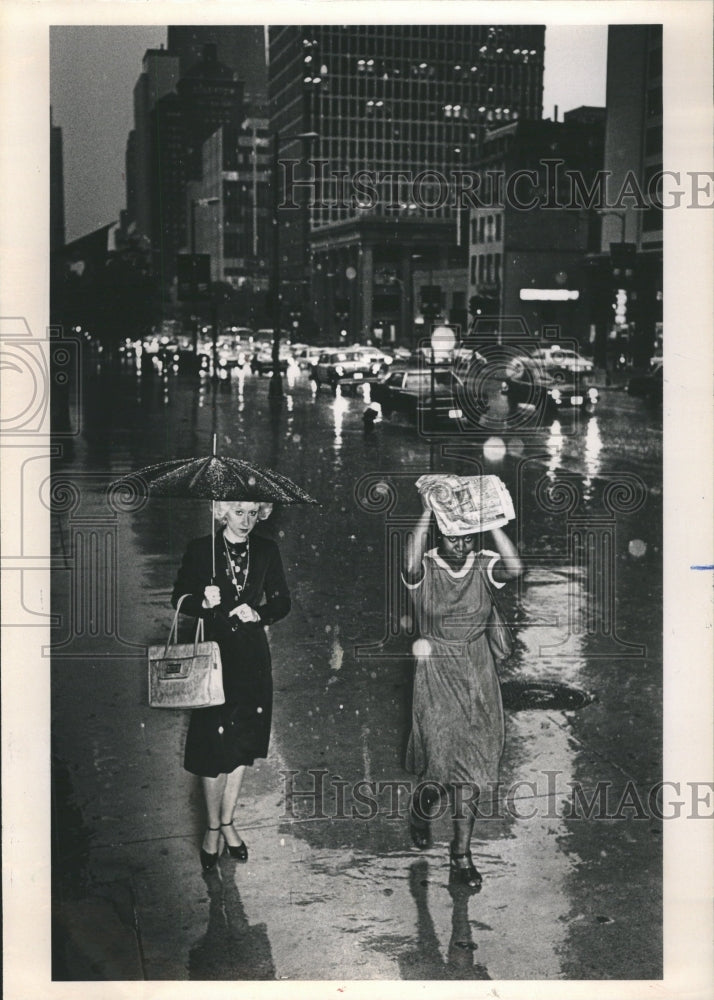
[(524, 694)]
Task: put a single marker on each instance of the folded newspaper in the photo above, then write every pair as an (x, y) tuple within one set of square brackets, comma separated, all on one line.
[(466, 504)]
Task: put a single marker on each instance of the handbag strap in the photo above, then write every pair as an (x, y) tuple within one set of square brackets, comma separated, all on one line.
[(174, 628)]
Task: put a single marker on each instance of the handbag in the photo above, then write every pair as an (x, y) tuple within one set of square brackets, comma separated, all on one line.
[(187, 675), (500, 636)]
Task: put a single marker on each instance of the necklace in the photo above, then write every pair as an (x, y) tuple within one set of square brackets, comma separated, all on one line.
[(240, 587)]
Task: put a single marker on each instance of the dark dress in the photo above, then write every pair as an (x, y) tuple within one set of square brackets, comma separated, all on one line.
[(223, 737), (457, 732)]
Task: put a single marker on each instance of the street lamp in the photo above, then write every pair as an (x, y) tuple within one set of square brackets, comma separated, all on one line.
[(276, 381)]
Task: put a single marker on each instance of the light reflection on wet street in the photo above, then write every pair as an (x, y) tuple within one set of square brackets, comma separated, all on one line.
[(343, 895)]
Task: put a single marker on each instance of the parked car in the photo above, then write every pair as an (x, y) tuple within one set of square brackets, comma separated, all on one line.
[(347, 368), (549, 390), (649, 386), (408, 391)]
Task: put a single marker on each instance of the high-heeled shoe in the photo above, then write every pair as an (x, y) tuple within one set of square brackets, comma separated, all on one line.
[(238, 852), (462, 870), (208, 861)]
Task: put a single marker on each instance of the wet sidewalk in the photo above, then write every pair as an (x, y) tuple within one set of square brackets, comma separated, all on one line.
[(343, 894)]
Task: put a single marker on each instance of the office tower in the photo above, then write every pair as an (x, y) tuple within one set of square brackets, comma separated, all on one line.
[(389, 99), (230, 210), (633, 136), (529, 234), (158, 77), (173, 116), (632, 234), (241, 47), (210, 96)]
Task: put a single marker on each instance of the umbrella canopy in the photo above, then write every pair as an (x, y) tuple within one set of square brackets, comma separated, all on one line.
[(215, 477)]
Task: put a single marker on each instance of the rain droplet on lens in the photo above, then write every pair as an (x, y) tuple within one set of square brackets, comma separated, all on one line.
[(494, 449), (637, 548)]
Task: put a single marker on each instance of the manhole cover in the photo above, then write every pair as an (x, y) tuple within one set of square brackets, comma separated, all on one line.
[(521, 694)]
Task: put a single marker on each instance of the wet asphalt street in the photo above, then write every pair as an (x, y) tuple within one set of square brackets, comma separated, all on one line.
[(333, 888)]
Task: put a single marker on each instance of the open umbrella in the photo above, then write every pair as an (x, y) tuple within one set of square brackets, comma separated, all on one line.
[(215, 477)]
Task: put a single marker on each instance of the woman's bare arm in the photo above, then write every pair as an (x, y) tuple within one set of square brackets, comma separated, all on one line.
[(510, 565), (416, 546)]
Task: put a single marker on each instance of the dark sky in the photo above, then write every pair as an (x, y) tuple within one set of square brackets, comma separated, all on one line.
[(93, 70)]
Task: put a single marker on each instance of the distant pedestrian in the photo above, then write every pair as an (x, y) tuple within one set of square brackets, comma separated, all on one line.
[(249, 591), (457, 735), (369, 418)]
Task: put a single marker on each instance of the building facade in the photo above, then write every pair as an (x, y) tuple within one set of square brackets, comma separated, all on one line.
[(159, 76), (528, 241), (630, 319), (241, 47), (395, 115), (230, 210), (181, 99)]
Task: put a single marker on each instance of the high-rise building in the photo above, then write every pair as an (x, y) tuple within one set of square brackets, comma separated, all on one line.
[(57, 225), (630, 273), (406, 105), (241, 47), (159, 76), (180, 99), (231, 211), (633, 136), (528, 237), (210, 96)]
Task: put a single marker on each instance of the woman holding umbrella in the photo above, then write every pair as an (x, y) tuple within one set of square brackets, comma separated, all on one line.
[(235, 582)]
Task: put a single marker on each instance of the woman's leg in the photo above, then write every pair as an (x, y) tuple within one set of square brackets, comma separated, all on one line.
[(464, 803), (425, 804), (213, 789), (464, 809), (233, 783)]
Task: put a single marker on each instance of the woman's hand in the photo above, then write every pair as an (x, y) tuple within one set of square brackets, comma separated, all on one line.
[(211, 597), (245, 613)]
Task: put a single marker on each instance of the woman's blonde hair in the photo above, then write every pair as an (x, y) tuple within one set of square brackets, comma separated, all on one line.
[(221, 508)]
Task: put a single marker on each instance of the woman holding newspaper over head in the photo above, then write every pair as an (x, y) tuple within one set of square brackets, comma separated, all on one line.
[(248, 592), (457, 733)]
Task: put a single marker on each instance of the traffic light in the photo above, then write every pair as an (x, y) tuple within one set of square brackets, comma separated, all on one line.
[(622, 258), (620, 306)]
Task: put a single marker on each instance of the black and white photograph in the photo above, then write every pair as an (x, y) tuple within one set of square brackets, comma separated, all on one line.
[(357, 544)]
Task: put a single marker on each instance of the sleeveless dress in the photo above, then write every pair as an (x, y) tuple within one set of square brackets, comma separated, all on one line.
[(457, 715)]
